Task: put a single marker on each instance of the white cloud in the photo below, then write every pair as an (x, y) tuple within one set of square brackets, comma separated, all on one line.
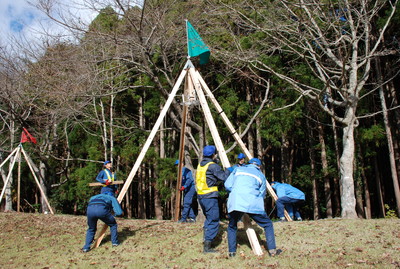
[(20, 21)]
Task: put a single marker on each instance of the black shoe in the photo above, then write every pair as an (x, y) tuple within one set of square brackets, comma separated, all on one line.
[(207, 247), (85, 250), (232, 254), (274, 252), (191, 220), (115, 245)]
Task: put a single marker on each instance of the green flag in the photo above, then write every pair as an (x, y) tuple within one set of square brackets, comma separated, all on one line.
[(196, 46)]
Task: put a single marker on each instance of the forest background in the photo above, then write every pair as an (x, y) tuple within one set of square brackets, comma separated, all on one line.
[(310, 86)]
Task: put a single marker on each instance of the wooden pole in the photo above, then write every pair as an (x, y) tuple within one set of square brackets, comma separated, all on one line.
[(255, 245), (144, 149), (181, 153), (19, 182), (37, 181), (97, 184), (10, 171), (9, 156), (234, 133), (209, 119), (221, 112)]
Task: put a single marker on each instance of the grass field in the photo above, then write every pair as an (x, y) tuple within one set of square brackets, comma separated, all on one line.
[(55, 241)]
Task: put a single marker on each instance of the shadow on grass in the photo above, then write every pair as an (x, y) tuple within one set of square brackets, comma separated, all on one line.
[(126, 232)]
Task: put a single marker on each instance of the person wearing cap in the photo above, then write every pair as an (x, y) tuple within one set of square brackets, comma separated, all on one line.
[(247, 189), (100, 207), (241, 162), (189, 211), (290, 198), (207, 175), (106, 177)]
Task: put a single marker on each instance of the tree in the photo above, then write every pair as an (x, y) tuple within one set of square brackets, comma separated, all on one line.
[(325, 51)]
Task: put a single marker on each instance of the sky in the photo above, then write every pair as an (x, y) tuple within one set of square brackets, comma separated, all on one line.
[(21, 21)]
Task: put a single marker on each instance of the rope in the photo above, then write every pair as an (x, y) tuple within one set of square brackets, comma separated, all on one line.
[(271, 211)]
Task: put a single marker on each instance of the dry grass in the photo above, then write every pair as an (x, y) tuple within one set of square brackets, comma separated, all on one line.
[(46, 241)]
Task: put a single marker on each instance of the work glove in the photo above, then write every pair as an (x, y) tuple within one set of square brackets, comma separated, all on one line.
[(108, 182), (182, 188)]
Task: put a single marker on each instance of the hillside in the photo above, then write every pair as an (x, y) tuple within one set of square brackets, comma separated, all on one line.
[(55, 241)]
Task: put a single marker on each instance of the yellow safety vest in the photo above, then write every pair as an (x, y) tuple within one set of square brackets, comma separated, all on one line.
[(108, 176), (201, 180)]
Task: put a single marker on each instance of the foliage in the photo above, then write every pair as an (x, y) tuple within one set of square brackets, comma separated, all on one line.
[(390, 213)]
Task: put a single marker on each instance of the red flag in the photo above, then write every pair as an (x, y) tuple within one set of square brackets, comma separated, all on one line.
[(27, 137)]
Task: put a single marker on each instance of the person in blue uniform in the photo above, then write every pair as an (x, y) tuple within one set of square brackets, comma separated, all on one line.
[(241, 162), (247, 189), (189, 211), (100, 207), (207, 175), (290, 198), (106, 177)]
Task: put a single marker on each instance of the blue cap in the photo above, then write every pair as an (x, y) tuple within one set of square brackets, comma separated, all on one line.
[(106, 162), (255, 161), (176, 162), (209, 151), (241, 156)]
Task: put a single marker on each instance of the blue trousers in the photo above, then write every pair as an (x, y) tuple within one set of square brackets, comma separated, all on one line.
[(111, 188), (211, 211), (291, 206), (261, 219), (100, 212), (188, 204)]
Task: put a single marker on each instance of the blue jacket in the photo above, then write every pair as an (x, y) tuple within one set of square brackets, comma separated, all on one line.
[(102, 177), (214, 174), (235, 166), (187, 178), (109, 201), (283, 189), (247, 187)]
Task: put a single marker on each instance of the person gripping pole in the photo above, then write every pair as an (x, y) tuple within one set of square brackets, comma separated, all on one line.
[(107, 177), (207, 175), (100, 207), (247, 189)]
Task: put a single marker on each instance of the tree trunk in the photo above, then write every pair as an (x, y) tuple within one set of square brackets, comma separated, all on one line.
[(391, 148), (104, 129), (111, 127), (285, 159), (250, 133), (8, 191), (128, 200), (292, 154), (273, 167), (336, 183), (258, 138), (364, 178), (162, 137), (43, 170), (312, 173), (359, 198), (391, 89), (161, 152), (381, 203), (325, 172), (348, 200)]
